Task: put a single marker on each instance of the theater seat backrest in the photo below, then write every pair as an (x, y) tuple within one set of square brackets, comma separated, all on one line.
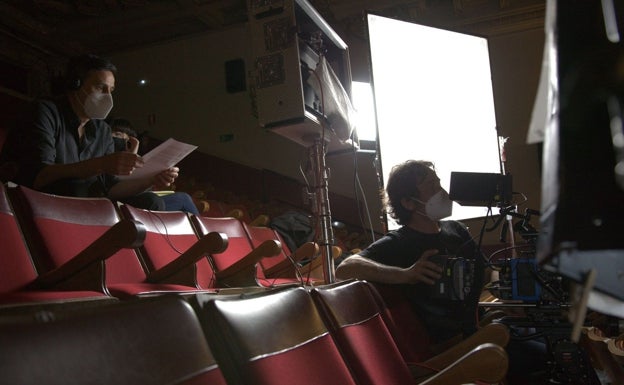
[(284, 267), (157, 341), (274, 338), (357, 324), (16, 266), (169, 234), (59, 227), (407, 328), (259, 234), (239, 244)]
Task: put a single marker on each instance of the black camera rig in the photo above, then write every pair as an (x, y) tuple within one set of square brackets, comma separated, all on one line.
[(537, 301), (457, 278)]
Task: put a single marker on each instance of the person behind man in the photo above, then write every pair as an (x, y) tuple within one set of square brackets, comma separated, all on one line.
[(126, 139), (65, 147), (416, 201)]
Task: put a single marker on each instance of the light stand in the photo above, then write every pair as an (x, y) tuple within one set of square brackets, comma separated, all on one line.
[(285, 41), (320, 205), (319, 141)]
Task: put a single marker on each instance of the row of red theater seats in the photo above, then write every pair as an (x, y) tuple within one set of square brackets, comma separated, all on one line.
[(218, 208), (337, 334), (58, 249)]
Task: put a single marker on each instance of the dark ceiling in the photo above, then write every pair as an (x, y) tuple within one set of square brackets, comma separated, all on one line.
[(65, 28)]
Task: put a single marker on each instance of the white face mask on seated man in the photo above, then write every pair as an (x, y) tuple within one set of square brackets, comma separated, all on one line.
[(97, 105), (438, 206)]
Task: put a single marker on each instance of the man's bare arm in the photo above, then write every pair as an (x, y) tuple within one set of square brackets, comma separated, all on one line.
[(120, 163), (423, 271), (53, 172)]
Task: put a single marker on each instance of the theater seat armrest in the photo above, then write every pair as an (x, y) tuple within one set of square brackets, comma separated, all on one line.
[(317, 263), (210, 243), (260, 220), (124, 234), (285, 269), (308, 250), (485, 363), (243, 271), (497, 334)]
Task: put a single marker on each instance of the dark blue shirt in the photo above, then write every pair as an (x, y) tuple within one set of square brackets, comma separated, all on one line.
[(48, 135)]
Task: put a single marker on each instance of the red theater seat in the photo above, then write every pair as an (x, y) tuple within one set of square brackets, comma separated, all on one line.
[(85, 233), (236, 265), (156, 341), (215, 209), (362, 336), (408, 330), (273, 338), (17, 270), (284, 336), (286, 266), (355, 319), (172, 250), (410, 334)]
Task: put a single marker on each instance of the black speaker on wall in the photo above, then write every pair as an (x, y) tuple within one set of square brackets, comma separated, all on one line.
[(582, 222), (235, 76)]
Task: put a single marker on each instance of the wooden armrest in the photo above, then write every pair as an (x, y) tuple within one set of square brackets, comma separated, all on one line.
[(314, 269), (210, 243), (285, 268), (260, 220), (243, 271), (487, 362), (124, 234), (497, 334), (308, 250), (235, 213), (317, 263)]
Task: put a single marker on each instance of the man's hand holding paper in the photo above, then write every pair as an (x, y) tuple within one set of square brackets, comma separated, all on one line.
[(159, 163), (165, 178), (120, 163)]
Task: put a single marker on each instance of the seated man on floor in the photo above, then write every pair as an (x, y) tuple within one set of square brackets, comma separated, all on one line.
[(405, 257)]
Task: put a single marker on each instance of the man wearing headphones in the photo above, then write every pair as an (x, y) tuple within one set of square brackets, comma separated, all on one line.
[(65, 147)]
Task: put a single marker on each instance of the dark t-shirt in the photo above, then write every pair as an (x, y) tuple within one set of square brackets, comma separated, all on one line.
[(403, 247), (48, 134)]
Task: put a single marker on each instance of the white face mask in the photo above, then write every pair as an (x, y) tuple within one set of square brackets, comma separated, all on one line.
[(438, 206), (97, 105)]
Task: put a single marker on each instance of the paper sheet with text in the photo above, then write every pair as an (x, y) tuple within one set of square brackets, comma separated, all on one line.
[(165, 155)]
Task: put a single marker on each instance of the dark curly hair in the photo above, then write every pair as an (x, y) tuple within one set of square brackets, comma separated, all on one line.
[(402, 183)]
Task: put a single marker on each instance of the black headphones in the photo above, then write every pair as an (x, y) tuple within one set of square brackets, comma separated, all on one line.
[(73, 80), (74, 83), (77, 69)]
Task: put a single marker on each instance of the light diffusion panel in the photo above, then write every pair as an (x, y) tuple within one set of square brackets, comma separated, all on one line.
[(434, 101)]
